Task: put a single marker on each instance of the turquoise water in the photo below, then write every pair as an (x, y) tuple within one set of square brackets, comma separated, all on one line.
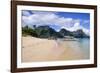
[(80, 45), (84, 45)]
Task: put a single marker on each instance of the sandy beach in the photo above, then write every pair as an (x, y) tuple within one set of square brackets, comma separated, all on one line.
[(36, 49)]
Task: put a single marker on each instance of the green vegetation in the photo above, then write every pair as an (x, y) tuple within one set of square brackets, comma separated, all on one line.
[(41, 32), (47, 32), (28, 31)]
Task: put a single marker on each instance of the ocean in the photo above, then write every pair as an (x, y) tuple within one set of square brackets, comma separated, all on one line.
[(80, 47), (84, 45)]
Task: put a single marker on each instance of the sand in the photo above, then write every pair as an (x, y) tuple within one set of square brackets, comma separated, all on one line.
[(36, 49)]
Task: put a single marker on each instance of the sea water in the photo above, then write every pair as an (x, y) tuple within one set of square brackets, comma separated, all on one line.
[(84, 45), (79, 45)]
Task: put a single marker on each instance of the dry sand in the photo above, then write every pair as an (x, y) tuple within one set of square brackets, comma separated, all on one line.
[(36, 49)]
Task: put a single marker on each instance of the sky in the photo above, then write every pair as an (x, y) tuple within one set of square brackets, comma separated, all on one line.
[(71, 21)]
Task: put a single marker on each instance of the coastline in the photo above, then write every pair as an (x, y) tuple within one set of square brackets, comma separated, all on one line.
[(36, 49)]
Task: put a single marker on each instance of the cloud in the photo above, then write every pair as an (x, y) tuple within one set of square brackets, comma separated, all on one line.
[(25, 13), (77, 27), (52, 19)]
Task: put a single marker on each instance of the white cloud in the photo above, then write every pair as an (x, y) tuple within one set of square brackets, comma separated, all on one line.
[(25, 13), (77, 27), (51, 18), (87, 32)]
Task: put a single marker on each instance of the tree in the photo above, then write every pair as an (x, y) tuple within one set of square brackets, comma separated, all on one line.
[(28, 31)]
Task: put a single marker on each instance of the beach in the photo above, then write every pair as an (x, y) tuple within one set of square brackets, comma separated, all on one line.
[(37, 49)]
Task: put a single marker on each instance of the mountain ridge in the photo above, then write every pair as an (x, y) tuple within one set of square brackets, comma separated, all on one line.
[(48, 32)]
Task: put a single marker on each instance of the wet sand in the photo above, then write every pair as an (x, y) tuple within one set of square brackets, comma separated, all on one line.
[(36, 49)]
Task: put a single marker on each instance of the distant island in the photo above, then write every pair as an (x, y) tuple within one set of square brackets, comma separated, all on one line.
[(48, 32)]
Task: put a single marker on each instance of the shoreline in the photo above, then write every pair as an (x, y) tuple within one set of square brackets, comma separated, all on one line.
[(36, 49)]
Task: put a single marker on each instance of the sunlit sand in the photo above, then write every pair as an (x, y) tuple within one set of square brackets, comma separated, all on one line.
[(36, 49)]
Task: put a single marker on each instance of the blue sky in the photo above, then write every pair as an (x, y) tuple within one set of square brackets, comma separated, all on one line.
[(57, 20), (81, 16)]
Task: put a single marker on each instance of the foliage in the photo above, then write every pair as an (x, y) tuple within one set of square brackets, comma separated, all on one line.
[(47, 32), (28, 31)]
